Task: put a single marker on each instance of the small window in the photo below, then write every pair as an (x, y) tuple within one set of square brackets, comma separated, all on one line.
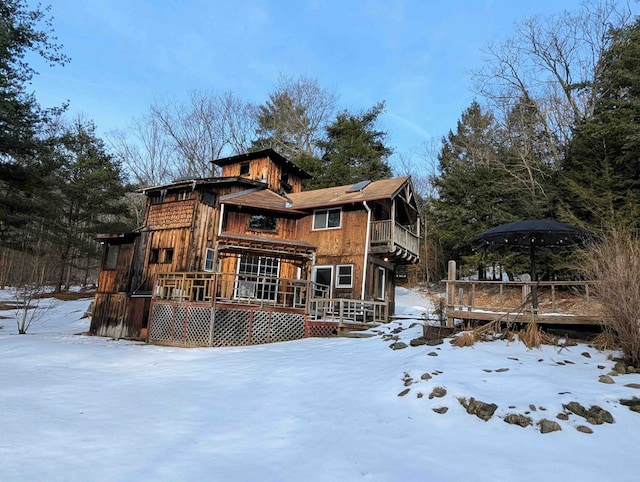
[(344, 276), (208, 259), (154, 256), (209, 198), (262, 222), (244, 169), (327, 218), (111, 256), (183, 195), (168, 255), (157, 199)]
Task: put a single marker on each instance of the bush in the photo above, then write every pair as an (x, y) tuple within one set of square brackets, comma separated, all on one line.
[(614, 266)]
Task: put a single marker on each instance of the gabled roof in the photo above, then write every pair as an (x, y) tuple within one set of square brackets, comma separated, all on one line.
[(271, 154), (335, 196), (260, 199), (201, 181)]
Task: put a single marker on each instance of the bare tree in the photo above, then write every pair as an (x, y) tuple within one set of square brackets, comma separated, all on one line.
[(204, 129), (553, 61), (145, 151), (294, 116)]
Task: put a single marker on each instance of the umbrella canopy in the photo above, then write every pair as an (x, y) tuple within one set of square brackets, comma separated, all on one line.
[(534, 235), (539, 234)]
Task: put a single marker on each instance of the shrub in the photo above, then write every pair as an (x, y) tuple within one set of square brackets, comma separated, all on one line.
[(614, 266)]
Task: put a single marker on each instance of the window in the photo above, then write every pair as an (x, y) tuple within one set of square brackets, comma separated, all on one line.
[(257, 278), (344, 276), (158, 255), (262, 222), (158, 197), (154, 256), (208, 259), (326, 218), (111, 256), (381, 276), (209, 198), (244, 169), (183, 195)]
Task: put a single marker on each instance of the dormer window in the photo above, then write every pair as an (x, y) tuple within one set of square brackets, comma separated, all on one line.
[(244, 169), (262, 222)]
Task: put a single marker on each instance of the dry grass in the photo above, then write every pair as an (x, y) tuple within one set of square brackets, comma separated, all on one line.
[(615, 264)]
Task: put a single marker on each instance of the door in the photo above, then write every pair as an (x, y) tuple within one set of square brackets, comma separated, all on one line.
[(322, 278)]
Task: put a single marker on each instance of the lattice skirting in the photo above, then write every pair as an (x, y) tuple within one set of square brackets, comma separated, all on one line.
[(321, 329), (190, 325)]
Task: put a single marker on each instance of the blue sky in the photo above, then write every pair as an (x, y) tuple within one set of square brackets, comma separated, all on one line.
[(413, 54)]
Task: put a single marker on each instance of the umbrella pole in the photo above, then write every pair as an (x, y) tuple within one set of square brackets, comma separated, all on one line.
[(534, 278)]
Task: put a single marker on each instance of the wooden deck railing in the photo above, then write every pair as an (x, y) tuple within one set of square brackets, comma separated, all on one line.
[(346, 311), (554, 302), (387, 233), (232, 288)]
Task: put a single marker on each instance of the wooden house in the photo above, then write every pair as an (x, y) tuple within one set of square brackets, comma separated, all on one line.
[(249, 257)]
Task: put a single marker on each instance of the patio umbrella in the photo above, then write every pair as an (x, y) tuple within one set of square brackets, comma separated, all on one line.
[(534, 235)]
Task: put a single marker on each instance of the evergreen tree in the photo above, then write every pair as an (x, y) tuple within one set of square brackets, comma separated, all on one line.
[(89, 198), (24, 156), (471, 195), (354, 149), (602, 172)]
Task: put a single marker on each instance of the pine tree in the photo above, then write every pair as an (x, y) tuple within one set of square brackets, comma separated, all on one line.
[(354, 150), (602, 172)]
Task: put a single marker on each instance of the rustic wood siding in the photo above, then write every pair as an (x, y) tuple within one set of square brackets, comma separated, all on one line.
[(263, 169), (238, 222), (110, 281), (205, 226), (170, 214)]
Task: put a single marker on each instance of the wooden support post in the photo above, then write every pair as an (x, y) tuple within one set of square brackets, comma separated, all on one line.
[(451, 288)]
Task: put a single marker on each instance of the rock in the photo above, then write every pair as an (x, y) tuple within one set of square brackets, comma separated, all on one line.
[(517, 419), (562, 416), (597, 416), (631, 369), (586, 354), (440, 410), (601, 367), (419, 395), (632, 403), (438, 392), (408, 382), (606, 379), (397, 330), (542, 408), (633, 385), (486, 370), (576, 408), (560, 363), (583, 429), (620, 368), (547, 426), (512, 358), (418, 341), (569, 362), (404, 392), (482, 410), (437, 341), (433, 353), (398, 345), (532, 407), (502, 370), (425, 376)]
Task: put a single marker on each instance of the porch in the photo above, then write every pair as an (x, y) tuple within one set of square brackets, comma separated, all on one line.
[(545, 302), (393, 239), (226, 309)]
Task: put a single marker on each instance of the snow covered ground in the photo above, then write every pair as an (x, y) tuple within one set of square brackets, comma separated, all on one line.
[(78, 408)]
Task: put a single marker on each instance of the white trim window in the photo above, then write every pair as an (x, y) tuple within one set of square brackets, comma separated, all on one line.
[(208, 259), (257, 278), (344, 276), (381, 283), (327, 218)]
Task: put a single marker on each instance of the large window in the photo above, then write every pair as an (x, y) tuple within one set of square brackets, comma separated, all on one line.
[(344, 276), (257, 278), (327, 218), (262, 222)]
